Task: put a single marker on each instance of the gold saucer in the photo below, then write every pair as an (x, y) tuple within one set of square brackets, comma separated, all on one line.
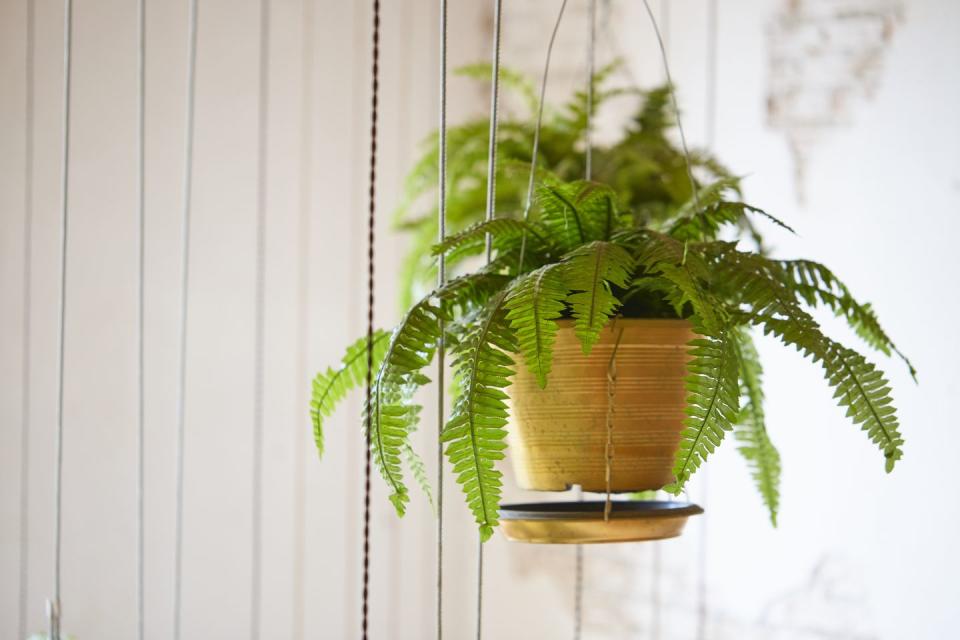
[(583, 523)]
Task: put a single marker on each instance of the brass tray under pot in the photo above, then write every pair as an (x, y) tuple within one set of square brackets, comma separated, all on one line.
[(583, 523)]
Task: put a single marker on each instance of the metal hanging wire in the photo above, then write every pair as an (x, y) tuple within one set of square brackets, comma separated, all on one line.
[(26, 369), (709, 136), (371, 230), (490, 215), (441, 280), (673, 102), (588, 175), (141, 268), (256, 506), (536, 132), (184, 307), (53, 605)]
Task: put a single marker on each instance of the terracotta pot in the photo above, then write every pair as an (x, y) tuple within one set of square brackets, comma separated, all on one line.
[(558, 435)]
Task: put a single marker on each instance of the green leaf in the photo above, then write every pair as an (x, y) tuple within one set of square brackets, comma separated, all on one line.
[(712, 403), (506, 233), (660, 254), (817, 285), (756, 447), (589, 271), (391, 414), (863, 390), (774, 305), (332, 385), (575, 213), (475, 433), (419, 472), (706, 223), (534, 303)]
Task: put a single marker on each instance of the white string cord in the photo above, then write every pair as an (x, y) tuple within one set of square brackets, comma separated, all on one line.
[(53, 605), (256, 506), (441, 280), (141, 268), (536, 132), (26, 371), (184, 299)]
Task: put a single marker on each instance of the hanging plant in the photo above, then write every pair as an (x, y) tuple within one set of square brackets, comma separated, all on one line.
[(647, 171), (635, 249)]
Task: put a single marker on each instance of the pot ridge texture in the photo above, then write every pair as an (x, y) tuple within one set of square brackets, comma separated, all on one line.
[(558, 435)]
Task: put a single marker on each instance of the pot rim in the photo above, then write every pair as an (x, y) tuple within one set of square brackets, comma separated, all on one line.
[(568, 322), (593, 510)]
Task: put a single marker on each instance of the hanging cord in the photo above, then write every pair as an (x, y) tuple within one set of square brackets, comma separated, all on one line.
[(710, 133), (578, 584), (591, 63), (441, 280), (492, 147), (184, 298), (676, 107), (141, 269), (588, 162), (665, 23), (611, 409), (256, 506), (371, 228), (26, 371), (490, 215), (536, 133), (53, 605)]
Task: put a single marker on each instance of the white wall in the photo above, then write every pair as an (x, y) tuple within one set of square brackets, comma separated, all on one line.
[(858, 554)]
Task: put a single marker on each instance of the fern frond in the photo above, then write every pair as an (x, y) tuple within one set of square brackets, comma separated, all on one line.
[(510, 79), (708, 196), (475, 431), (534, 303), (589, 272), (857, 383), (332, 385), (469, 291), (751, 430), (660, 254), (419, 472), (862, 389), (575, 213), (391, 413), (505, 232), (712, 403), (817, 285), (706, 223)]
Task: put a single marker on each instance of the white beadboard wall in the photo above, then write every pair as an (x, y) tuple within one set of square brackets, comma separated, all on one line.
[(857, 555)]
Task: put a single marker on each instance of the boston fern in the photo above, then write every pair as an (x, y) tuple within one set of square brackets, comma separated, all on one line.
[(643, 240), (581, 254), (645, 169)]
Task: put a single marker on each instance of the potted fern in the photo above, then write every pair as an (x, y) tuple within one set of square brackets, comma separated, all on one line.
[(579, 263), (635, 271)]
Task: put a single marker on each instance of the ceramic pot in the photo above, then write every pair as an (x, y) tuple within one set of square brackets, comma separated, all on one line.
[(558, 435)]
